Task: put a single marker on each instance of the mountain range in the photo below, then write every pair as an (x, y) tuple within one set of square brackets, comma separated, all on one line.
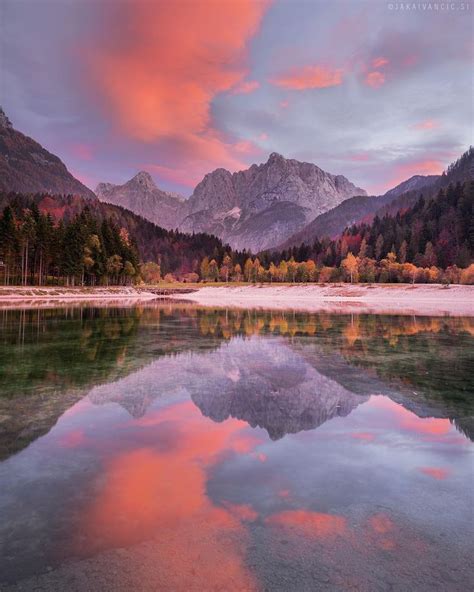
[(250, 209), (277, 204)]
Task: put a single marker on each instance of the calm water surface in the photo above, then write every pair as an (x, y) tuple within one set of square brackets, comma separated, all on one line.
[(180, 448)]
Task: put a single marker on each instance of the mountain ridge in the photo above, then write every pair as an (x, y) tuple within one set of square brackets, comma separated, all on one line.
[(27, 167)]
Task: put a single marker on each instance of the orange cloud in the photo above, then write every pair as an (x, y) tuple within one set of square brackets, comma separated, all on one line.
[(84, 179), (359, 157), (435, 472), (375, 79), (82, 151), (427, 124), (310, 77), (247, 147), (382, 529), (367, 436), (72, 439), (379, 62), (406, 420), (381, 523), (154, 82), (159, 72), (244, 88), (422, 167), (198, 153), (402, 172), (243, 512), (310, 523), (156, 494)]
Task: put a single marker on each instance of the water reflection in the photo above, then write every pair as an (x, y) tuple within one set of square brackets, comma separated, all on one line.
[(261, 381), (197, 449)]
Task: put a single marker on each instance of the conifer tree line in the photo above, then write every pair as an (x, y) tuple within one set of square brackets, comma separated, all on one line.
[(35, 250), (433, 241)]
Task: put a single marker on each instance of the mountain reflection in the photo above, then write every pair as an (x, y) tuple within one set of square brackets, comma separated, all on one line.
[(282, 371), (259, 380)]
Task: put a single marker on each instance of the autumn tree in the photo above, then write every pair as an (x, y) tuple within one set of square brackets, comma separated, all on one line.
[(350, 265), (150, 272)]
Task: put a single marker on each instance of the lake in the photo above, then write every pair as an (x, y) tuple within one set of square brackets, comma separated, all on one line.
[(172, 447)]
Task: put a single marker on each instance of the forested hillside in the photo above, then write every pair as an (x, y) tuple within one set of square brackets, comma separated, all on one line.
[(364, 208), (74, 240), (439, 231)]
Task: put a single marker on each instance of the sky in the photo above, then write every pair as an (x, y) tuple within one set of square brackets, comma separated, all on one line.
[(377, 91)]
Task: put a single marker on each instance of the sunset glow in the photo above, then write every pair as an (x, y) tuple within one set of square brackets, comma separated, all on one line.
[(183, 88)]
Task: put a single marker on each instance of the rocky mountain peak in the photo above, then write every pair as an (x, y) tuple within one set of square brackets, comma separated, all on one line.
[(144, 180), (142, 196), (276, 158), (4, 121), (253, 208)]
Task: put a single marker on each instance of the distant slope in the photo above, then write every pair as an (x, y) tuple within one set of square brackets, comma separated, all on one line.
[(412, 184), (332, 223), (26, 167)]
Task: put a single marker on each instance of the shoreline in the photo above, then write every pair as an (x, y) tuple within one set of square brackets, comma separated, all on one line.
[(50, 296), (419, 299), (408, 299)]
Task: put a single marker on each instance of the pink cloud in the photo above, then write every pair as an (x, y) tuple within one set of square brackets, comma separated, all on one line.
[(174, 174), (367, 436), (421, 167), (309, 523), (263, 136), (72, 439), (375, 79), (435, 472), (86, 180), (159, 88), (284, 104), (359, 157), (429, 428), (379, 62), (243, 512), (198, 154), (401, 172), (309, 77), (244, 88), (427, 124), (248, 148), (82, 151)]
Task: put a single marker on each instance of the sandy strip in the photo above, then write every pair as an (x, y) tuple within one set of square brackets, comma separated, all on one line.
[(24, 297), (420, 299)]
